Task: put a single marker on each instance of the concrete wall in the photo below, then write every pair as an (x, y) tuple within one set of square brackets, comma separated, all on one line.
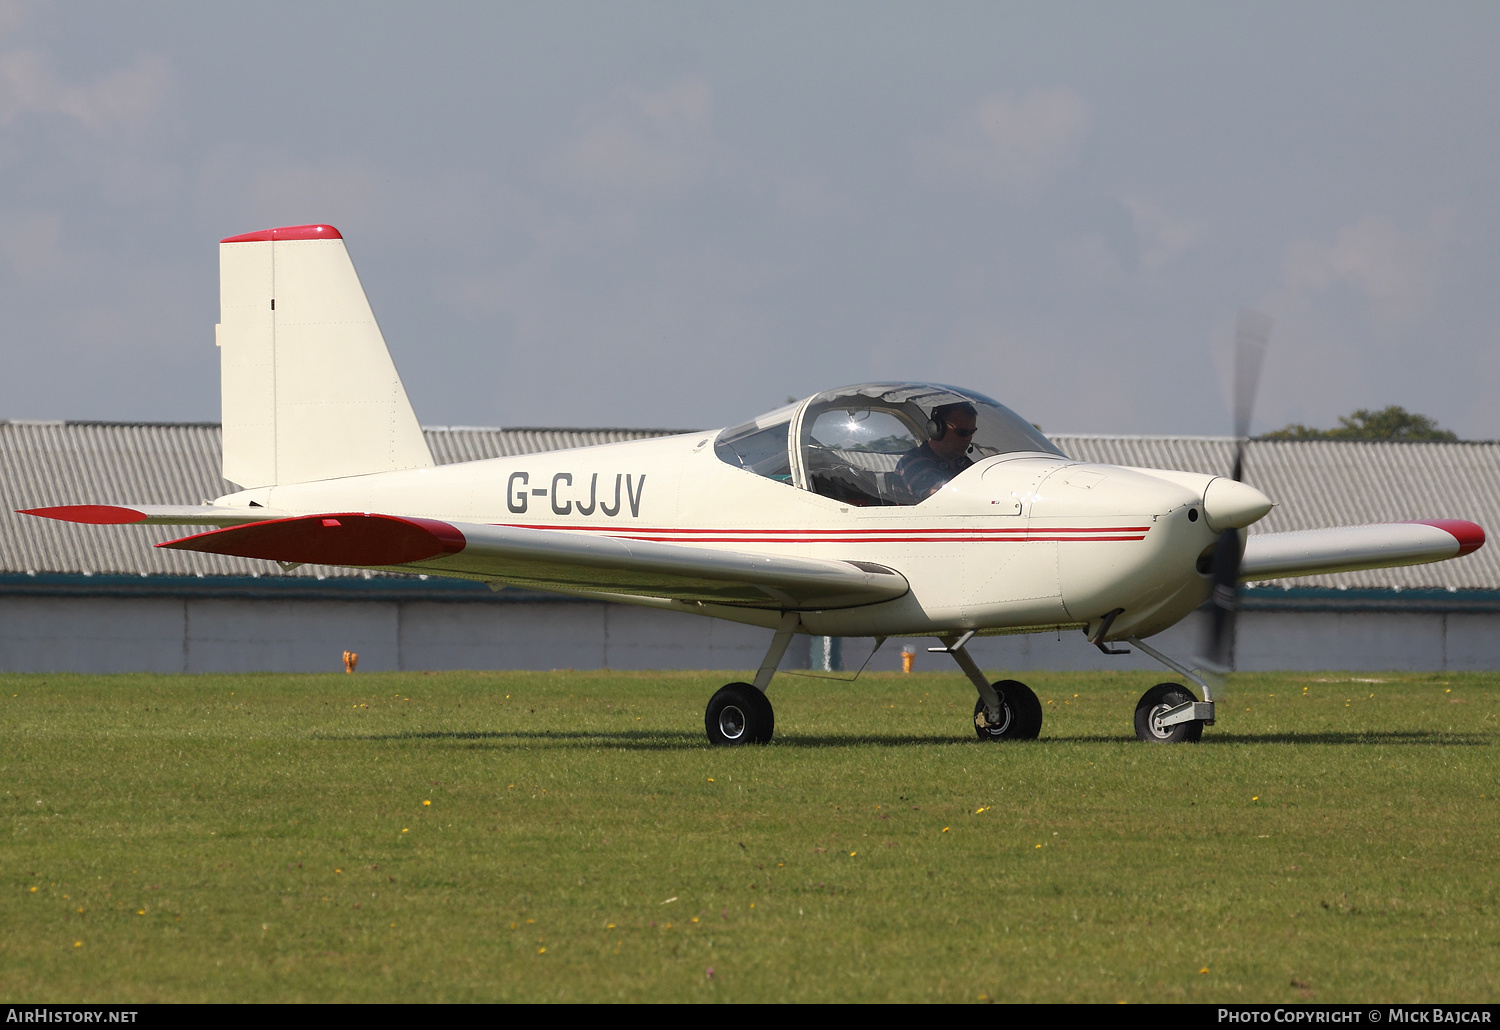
[(104, 634)]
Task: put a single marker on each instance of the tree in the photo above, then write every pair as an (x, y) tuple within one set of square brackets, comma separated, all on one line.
[(1392, 423)]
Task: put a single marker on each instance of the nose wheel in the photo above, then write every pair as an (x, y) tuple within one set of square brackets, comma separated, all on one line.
[(739, 714), (1166, 714)]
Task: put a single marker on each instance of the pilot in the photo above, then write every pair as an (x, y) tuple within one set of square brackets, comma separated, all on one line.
[(923, 470)]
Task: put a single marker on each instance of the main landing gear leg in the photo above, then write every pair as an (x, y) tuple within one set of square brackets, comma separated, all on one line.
[(1006, 709), (740, 713), (1168, 713)]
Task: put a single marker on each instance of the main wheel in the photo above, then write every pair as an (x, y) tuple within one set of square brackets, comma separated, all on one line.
[(1020, 713), (1156, 701), (739, 714)]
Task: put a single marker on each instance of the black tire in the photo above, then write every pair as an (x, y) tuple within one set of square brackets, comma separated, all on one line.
[(1020, 713), (1157, 699), (739, 714)]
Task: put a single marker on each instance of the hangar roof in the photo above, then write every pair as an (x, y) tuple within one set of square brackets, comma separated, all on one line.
[(47, 463), (1315, 483)]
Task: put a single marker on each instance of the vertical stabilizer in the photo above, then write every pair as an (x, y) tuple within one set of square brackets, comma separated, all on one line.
[(309, 391)]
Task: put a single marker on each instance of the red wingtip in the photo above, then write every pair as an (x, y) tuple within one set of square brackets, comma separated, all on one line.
[(287, 232), (1469, 536), (90, 514)]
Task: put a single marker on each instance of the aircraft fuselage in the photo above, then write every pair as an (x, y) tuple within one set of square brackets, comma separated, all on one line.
[(1018, 542)]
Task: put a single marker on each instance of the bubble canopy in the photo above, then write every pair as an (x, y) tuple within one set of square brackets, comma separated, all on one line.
[(847, 443)]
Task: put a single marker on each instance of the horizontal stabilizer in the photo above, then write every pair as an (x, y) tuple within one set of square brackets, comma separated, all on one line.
[(155, 514), (1313, 552), (547, 559), (342, 539)]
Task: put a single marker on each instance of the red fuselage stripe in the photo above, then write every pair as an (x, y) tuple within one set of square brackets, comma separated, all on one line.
[(1098, 534), (875, 539), (1017, 531)]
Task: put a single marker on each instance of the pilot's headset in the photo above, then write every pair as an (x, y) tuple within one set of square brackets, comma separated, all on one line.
[(937, 425)]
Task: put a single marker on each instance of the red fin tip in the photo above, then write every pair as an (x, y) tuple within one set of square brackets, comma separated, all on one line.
[(287, 232)]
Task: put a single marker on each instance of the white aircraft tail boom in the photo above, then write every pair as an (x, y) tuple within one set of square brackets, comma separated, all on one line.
[(309, 391)]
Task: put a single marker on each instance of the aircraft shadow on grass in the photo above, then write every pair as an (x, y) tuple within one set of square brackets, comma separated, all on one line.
[(1335, 738), (637, 740), (1439, 738), (679, 740)]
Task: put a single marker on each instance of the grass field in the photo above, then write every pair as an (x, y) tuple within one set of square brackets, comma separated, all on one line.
[(569, 835)]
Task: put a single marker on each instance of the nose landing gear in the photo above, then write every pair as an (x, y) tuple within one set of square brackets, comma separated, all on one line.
[(1165, 715), (1168, 713)]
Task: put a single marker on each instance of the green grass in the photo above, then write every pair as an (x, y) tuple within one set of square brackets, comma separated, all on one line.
[(217, 838)]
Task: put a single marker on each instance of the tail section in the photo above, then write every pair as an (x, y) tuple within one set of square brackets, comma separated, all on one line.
[(309, 391)]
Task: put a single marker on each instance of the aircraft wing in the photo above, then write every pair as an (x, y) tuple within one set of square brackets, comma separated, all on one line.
[(1312, 552), (155, 514), (548, 559)]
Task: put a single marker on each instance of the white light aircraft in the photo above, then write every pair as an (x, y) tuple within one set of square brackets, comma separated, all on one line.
[(878, 510)]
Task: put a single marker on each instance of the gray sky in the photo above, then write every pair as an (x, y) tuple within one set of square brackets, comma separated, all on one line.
[(681, 214)]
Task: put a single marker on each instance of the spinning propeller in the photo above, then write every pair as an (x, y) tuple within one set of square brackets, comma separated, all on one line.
[(1251, 331)]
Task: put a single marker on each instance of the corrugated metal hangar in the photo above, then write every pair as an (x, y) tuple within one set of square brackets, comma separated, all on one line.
[(102, 599)]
